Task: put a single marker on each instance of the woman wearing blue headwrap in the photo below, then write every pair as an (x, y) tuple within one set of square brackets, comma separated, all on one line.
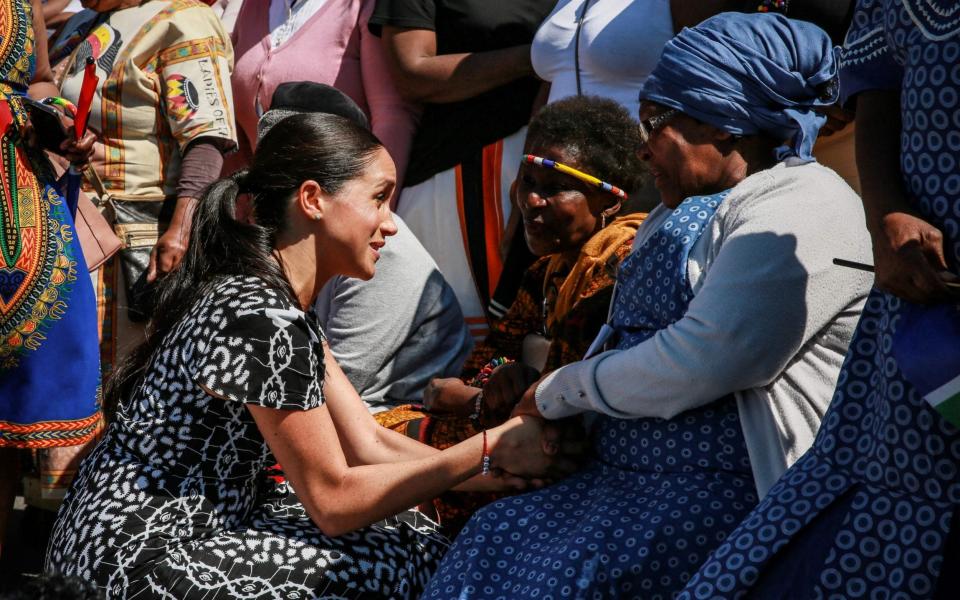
[(873, 509), (727, 331)]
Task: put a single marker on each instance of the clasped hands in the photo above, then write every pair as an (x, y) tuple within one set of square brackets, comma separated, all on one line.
[(527, 450)]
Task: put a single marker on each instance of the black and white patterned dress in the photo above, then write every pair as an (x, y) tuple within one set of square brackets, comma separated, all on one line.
[(173, 503)]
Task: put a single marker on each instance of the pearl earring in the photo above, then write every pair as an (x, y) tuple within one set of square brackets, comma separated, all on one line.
[(315, 216)]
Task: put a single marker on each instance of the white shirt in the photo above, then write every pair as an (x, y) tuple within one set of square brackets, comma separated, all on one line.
[(770, 320), (287, 16), (620, 43)]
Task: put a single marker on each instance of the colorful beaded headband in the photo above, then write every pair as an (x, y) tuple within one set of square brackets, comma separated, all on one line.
[(63, 103), (590, 179)]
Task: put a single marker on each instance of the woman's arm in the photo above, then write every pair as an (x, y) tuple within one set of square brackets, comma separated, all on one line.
[(42, 84), (339, 497), (363, 440), (907, 251), (77, 152), (423, 76), (769, 291), (201, 166), (392, 118)]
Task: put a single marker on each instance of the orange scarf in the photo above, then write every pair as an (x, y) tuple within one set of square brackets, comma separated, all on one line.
[(590, 268)]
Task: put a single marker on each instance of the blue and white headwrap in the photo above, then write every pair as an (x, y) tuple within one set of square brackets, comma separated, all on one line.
[(748, 74)]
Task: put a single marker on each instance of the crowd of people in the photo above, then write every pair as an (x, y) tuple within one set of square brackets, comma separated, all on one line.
[(459, 299)]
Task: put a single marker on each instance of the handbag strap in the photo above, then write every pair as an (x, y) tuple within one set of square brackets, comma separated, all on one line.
[(93, 178), (576, 44)]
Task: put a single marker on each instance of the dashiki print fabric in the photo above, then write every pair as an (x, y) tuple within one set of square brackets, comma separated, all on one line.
[(49, 370)]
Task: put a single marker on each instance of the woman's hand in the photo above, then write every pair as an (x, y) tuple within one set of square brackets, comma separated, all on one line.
[(449, 395), (506, 386), (528, 402), (78, 153), (518, 448), (172, 245), (837, 119), (908, 257)]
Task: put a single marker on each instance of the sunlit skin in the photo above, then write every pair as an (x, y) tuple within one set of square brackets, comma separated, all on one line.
[(338, 234), (357, 220), (560, 212), (688, 158)]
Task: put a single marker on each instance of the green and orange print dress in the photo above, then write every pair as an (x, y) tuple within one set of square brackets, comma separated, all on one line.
[(49, 366)]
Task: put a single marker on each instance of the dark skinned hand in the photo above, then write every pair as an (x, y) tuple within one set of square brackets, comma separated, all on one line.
[(528, 402), (909, 260), (505, 386), (78, 153), (837, 119), (449, 395)]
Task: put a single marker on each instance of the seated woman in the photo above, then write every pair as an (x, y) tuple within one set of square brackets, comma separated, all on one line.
[(729, 325), (173, 503), (573, 226)]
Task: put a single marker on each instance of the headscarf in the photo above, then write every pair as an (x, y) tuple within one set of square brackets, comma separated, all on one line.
[(750, 73)]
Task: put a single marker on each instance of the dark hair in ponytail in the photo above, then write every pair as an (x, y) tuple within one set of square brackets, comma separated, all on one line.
[(328, 149)]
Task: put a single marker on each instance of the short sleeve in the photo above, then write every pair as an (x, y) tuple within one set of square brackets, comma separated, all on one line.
[(195, 67), (411, 14), (867, 60), (270, 357)]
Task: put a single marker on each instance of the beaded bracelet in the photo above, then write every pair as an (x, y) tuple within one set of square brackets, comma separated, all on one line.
[(68, 107), (779, 6), (477, 407), (485, 460), (481, 378)]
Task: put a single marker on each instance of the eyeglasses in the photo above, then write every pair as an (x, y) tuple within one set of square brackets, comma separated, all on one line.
[(651, 124)]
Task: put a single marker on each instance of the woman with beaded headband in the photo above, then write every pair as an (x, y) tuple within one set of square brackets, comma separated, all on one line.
[(580, 228)]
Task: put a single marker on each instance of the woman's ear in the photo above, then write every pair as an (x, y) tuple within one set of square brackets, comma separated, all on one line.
[(720, 135), (311, 200)]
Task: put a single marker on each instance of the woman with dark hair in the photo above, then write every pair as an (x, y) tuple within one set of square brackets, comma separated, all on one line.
[(234, 374)]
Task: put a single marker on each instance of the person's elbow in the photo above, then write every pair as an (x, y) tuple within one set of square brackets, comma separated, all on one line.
[(416, 88), (327, 503), (412, 89), (331, 516), (333, 527)]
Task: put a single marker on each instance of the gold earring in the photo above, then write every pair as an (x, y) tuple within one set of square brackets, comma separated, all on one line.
[(609, 212)]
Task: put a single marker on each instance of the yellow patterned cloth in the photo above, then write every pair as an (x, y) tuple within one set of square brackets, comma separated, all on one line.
[(164, 69)]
